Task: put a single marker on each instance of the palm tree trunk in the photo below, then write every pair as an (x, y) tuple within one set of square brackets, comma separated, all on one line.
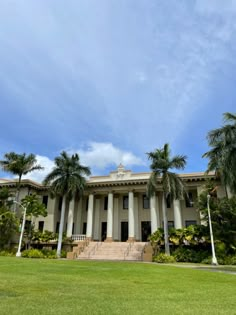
[(17, 193), (165, 221), (59, 244)]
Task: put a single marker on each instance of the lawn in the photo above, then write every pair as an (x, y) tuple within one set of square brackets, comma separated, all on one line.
[(29, 286)]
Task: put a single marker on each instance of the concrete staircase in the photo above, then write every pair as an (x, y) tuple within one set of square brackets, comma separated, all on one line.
[(113, 251)]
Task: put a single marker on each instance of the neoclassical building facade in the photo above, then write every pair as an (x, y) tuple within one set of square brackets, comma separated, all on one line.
[(115, 207)]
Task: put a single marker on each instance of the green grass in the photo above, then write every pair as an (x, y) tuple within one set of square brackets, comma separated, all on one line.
[(29, 286)]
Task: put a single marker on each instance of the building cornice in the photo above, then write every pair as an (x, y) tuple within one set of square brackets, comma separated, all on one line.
[(113, 180)]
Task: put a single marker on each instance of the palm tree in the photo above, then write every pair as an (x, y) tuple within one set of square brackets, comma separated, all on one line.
[(222, 156), (19, 164), (65, 180), (171, 183)]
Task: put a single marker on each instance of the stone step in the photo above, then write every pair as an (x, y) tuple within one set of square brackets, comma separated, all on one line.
[(113, 251)]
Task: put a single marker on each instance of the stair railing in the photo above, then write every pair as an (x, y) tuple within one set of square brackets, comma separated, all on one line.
[(93, 250), (126, 252)]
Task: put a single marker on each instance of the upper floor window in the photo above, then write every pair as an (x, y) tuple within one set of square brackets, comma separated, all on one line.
[(57, 227), (41, 226), (168, 202), (106, 203), (60, 204), (189, 200), (45, 201), (125, 202), (146, 202)]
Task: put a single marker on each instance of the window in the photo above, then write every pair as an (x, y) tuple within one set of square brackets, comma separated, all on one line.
[(40, 226), (190, 222), (60, 204), (84, 228), (106, 203), (168, 203), (146, 202), (57, 227), (170, 224), (189, 200), (125, 202), (27, 225), (45, 201)]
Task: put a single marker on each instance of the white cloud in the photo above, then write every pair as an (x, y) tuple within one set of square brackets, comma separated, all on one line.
[(39, 176), (97, 155), (103, 154)]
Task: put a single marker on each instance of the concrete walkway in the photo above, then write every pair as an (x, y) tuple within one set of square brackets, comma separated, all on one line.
[(219, 268)]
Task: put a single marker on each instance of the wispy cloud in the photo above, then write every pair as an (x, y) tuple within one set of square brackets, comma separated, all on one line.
[(100, 157), (134, 73)]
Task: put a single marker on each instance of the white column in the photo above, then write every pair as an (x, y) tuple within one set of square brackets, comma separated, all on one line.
[(78, 223), (70, 218), (89, 231), (200, 190), (116, 221), (154, 213), (96, 234), (136, 219), (131, 217), (177, 214), (110, 218)]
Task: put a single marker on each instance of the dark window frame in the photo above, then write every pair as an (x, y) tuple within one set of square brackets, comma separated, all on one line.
[(193, 222), (146, 202), (45, 200), (105, 203), (168, 202), (189, 200), (125, 202), (40, 226)]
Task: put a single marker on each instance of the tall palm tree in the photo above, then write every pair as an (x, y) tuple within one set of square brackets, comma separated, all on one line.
[(19, 164), (172, 184), (222, 156), (65, 180)]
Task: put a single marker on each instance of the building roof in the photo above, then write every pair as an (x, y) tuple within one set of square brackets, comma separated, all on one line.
[(120, 177)]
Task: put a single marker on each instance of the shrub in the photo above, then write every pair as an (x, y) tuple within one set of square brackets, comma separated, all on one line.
[(43, 253), (184, 254), (7, 253), (32, 253), (207, 260), (233, 260), (163, 258)]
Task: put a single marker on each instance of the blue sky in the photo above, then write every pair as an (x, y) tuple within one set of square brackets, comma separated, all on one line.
[(112, 79)]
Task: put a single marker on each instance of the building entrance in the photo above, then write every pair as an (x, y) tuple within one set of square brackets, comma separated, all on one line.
[(124, 231), (104, 231), (146, 230)]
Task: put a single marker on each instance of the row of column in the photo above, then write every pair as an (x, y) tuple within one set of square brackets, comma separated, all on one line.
[(132, 216)]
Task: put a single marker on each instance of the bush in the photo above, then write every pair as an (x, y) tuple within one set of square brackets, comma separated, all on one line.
[(32, 253), (184, 254), (163, 258), (207, 260), (226, 260), (232, 260), (43, 253), (7, 253)]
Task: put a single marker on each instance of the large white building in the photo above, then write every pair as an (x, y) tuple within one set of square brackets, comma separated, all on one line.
[(116, 208)]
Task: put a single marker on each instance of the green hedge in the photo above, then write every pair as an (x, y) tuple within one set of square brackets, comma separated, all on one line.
[(8, 253), (42, 253), (163, 258)]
